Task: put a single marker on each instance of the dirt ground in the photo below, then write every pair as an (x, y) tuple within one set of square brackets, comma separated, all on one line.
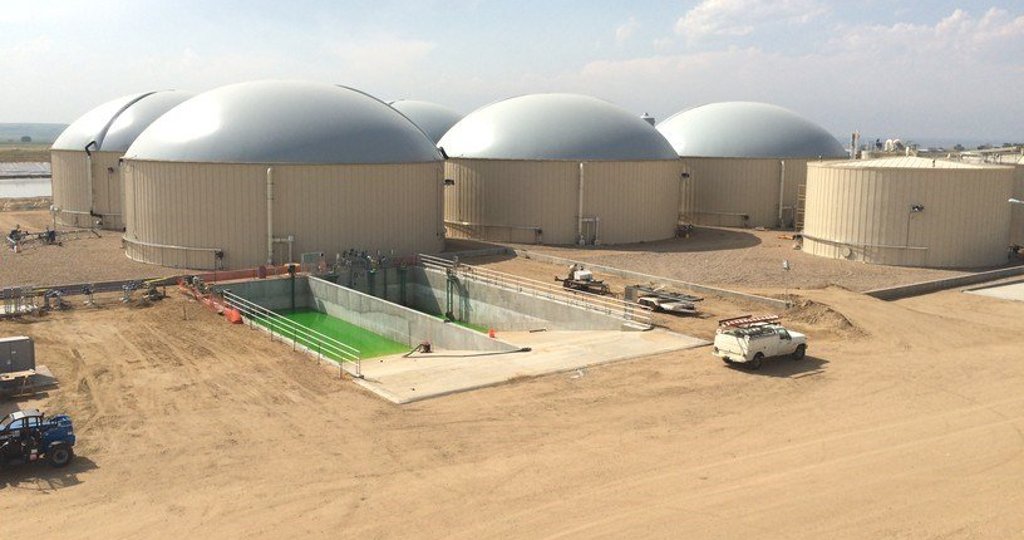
[(25, 203), (24, 152), (82, 257), (807, 315), (746, 259), (908, 424)]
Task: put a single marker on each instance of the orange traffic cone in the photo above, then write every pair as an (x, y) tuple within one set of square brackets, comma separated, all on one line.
[(491, 333)]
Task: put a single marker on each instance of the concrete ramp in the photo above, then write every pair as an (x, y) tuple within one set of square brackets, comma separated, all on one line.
[(1009, 291), (425, 376)]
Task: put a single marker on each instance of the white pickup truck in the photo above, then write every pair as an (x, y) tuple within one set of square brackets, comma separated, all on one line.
[(749, 340)]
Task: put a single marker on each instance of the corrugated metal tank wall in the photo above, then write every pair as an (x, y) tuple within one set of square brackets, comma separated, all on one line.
[(178, 214), (71, 192), (70, 183), (107, 186), (721, 191), (510, 200), (864, 214), (636, 201)]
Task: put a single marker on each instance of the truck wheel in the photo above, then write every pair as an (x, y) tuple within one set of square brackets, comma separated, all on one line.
[(756, 362), (60, 455), (800, 352)]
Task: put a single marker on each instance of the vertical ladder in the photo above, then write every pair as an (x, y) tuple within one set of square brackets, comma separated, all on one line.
[(798, 212)]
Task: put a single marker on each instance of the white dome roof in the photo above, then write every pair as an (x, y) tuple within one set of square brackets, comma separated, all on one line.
[(555, 127), (114, 125), (435, 120), (284, 122), (744, 129)]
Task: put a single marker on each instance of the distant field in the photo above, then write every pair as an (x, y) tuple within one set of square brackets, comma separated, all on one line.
[(39, 133), (24, 152)]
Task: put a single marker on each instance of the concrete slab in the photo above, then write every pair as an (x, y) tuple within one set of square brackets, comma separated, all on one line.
[(1012, 291), (425, 376)]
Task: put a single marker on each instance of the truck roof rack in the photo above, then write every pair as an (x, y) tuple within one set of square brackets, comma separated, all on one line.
[(746, 321)]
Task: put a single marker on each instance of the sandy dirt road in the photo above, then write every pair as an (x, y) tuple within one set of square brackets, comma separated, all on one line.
[(911, 427)]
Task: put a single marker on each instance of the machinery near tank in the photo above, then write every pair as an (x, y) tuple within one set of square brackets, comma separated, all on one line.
[(581, 279), (663, 301), (28, 436)]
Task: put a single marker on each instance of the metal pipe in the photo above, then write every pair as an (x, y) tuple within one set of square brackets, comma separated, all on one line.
[(270, 215), (782, 187), (709, 213), (862, 244), (579, 214), (89, 179), (475, 224)]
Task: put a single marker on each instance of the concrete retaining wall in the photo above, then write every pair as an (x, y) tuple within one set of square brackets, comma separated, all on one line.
[(374, 314), (925, 287), (274, 294), (396, 322), (658, 280), (486, 304)]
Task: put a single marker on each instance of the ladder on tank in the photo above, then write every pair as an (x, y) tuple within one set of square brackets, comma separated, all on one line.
[(798, 212)]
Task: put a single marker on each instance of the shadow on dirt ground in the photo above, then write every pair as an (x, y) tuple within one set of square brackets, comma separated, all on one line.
[(700, 239), (785, 367), (40, 476)]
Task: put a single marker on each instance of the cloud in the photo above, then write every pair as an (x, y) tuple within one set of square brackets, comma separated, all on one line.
[(887, 78), (26, 50), (996, 35), (36, 11), (381, 52), (626, 30), (741, 17)]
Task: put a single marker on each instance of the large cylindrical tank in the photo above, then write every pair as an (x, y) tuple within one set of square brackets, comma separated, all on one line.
[(87, 181), (559, 169), (263, 171), (745, 162), (909, 211)]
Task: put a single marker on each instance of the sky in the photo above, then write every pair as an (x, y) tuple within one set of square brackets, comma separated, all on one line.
[(927, 69)]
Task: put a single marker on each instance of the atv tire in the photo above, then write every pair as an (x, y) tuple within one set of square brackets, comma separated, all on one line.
[(60, 455)]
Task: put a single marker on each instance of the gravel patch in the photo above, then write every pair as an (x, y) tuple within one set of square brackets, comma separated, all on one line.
[(745, 260)]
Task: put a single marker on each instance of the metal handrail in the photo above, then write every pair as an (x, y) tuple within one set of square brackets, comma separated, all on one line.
[(343, 353), (613, 307)]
